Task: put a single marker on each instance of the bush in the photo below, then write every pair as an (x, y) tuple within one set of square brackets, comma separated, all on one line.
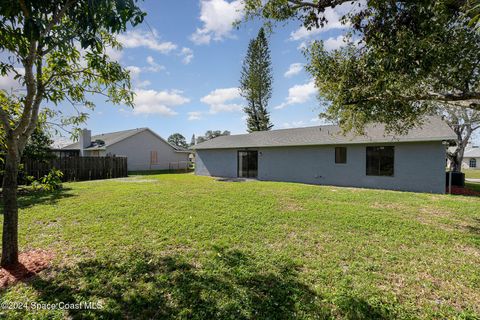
[(50, 182)]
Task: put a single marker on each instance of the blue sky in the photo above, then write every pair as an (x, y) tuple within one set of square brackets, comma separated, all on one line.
[(185, 60)]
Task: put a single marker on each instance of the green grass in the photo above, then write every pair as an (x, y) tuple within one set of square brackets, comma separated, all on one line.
[(473, 185), (182, 246), (471, 173)]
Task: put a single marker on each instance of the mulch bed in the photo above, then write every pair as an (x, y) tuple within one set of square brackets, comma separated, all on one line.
[(464, 191), (30, 263)]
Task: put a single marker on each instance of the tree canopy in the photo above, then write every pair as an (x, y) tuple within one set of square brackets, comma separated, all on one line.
[(178, 140), (210, 134), (401, 59)]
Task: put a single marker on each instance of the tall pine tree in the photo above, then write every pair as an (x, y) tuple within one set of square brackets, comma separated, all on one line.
[(256, 83)]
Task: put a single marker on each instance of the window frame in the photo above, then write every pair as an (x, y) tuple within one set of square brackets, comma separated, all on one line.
[(474, 161), (337, 155), (382, 168)]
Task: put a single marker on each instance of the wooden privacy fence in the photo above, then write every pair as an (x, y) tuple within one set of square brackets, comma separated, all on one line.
[(179, 166), (79, 168)]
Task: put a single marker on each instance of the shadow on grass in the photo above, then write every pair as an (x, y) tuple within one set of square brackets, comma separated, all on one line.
[(155, 172), (231, 285), (30, 198), (474, 229)]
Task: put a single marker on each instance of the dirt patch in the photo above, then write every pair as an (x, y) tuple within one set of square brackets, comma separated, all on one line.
[(29, 264), (388, 205), (290, 205)]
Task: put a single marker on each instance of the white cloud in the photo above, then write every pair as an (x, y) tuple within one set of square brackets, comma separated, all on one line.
[(113, 53), (217, 17), (293, 124), (135, 77), (142, 84), (147, 39), (320, 121), (333, 17), (134, 71), (294, 69), (153, 66), (194, 115), (158, 102), (9, 83), (299, 93), (223, 100), (334, 43), (187, 55)]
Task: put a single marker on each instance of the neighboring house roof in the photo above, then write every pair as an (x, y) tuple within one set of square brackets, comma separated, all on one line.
[(472, 153), (114, 137), (433, 129)]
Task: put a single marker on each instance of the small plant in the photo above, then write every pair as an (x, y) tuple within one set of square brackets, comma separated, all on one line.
[(50, 182)]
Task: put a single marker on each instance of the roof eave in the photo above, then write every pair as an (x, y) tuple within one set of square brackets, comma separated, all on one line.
[(433, 139)]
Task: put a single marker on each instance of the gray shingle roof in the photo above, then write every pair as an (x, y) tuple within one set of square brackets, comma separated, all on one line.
[(114, 137), (109, 138), (433, 129), (472, 153)]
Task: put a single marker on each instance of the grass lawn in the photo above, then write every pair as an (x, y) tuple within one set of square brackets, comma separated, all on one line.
[(182, 246), (473, 185), (471, 173)]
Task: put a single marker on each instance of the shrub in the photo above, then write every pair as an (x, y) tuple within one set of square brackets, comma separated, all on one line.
[(50, 182)]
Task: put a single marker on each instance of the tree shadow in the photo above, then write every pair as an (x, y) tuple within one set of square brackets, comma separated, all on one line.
[(231, 285), (474, 231), (30, 198), (157, 172)]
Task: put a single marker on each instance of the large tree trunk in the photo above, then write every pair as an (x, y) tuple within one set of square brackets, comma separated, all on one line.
[(10, 210), (455, 163)]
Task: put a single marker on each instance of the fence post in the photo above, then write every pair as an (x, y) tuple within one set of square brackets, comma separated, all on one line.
[(450, 182)]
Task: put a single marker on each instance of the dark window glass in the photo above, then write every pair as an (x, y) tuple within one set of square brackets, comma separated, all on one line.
[(247, 164), (340, 155), (380, 161), (473, 163)]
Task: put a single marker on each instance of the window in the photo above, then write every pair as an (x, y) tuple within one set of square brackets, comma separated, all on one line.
[(473, 163), (380, 161), (340, 155)]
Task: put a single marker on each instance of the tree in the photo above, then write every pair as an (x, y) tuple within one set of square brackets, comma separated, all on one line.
[(192, 141), (57, 51), (178, 140), (396, 67), (256, 83), (210, 134), (38, 145), (464, 122)]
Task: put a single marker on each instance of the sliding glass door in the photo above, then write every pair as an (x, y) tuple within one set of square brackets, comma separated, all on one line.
[(247, 164)]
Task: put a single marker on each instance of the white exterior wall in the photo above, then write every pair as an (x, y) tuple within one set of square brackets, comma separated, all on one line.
[(137, 149), (417, 167)]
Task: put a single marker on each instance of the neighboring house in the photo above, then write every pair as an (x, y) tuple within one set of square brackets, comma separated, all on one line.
[(323, 155), (144, 149), (471, 158)]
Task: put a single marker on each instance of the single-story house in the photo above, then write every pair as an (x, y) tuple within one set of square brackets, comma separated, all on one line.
[(471, 158), (144, 149), (323, 155)]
